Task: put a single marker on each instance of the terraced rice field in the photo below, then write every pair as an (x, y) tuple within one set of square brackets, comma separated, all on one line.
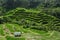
[(7, 30)]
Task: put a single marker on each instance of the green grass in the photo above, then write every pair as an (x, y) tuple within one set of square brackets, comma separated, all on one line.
[(10, 27), (13, 38), (2, 38), (42, 35), (1, 30)]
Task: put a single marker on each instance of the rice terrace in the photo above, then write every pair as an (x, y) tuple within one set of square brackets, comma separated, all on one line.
[(29, 19)]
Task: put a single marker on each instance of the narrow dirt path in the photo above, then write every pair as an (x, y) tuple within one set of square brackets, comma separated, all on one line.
[(30, 36)]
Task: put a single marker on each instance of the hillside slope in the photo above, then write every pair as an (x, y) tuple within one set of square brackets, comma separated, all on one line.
[(7, 31), (32, 19)]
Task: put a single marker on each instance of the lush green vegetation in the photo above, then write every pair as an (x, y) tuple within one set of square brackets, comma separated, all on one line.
[(36, 19), (28, 33), (32, 19)]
